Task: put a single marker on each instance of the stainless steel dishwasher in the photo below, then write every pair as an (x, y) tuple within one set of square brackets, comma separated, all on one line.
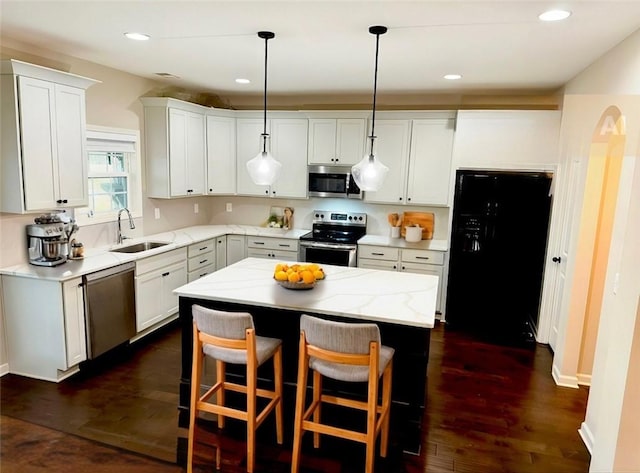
[(110, 308)]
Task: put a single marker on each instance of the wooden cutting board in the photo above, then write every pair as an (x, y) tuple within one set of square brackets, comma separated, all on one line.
[(424, 219)]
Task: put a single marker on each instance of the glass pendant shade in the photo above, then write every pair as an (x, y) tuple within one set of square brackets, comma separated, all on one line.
[(264, 169), (369, 173)]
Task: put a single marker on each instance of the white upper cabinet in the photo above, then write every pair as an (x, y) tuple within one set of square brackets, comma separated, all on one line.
[(221, 155), (430, 162), (336, 141), (175, 147), (418, 153), (287, 143), (44, 162), (391, 147)]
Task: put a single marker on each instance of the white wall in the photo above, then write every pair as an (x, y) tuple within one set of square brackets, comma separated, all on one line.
[(612, 80)]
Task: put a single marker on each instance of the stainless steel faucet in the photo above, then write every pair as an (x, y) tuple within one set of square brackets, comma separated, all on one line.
[(131, 224)]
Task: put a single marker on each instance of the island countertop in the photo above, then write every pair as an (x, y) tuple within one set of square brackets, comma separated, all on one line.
[(367, 294)]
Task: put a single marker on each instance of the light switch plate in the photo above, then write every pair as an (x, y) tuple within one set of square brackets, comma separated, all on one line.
[(229, 207), (196, 208), (156, 213)]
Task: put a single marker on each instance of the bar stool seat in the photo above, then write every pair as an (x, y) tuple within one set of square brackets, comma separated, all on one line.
[(229, 337), (350, 352)]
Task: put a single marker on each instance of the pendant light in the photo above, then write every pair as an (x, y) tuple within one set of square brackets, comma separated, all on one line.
[(264, 169), (369, 173)]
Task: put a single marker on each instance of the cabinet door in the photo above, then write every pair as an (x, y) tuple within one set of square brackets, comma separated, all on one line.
[(378, 264), (351, 135), (221, 252), (74, 322), (71, 150), (172, 278), (289, 146), (221, 155), (178, 152), (433, 270), (322, 141), (149, 302), (37, 125), (236, 248), (430, 162), (392, 148), (195, 172), (248, 145)]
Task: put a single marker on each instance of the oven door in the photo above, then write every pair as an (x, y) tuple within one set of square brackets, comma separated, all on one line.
[(328, 253)]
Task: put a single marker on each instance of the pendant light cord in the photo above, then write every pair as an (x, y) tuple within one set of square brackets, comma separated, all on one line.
[(377, 30), (266, 35)]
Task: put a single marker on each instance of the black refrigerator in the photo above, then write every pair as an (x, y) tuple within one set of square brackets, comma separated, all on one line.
[(498, 243)]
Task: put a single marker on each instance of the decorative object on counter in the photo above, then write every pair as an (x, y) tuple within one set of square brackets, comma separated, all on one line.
[(287, 221), (423, 219), (395, 232), (276, 218), (298, 276), (47, 244), (264, 169), (395, 222), (413, 234), (369, 173)]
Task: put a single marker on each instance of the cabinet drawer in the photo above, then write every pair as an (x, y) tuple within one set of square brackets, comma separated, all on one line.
[(377, 264), (200, 248), (378, 252), (201, 261), (423, 256), (160, 261), (272, 254), (284, 244), (193, 275)]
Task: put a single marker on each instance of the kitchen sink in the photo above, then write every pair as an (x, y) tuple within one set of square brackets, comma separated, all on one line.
[(138, 247)]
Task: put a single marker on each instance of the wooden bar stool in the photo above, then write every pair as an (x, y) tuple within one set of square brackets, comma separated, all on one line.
[(229, 337), (349, 352)]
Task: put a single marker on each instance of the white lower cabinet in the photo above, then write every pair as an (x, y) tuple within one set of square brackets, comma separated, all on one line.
[(407, 260), (236, 248), (275, 248), (44, 341), (221, 252), (202, 259), (156, 278)]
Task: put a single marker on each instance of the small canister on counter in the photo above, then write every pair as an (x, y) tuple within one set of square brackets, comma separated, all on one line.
[(77, 250)]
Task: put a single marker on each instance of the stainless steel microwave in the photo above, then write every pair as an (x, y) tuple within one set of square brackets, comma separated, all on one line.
[(332, 181)]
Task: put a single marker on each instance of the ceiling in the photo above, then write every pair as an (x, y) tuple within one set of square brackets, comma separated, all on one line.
[(324, 47)]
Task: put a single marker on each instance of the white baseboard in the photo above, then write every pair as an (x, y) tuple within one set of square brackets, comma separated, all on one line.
[(4, 369), (584, 379), (563, 380), (587, 437)]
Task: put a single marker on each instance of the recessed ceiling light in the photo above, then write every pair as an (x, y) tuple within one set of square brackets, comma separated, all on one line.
[(453, 76), (138, 36), (554, 15), (243, 81)]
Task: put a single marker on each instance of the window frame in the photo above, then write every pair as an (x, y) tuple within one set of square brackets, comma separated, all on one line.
[(83, 215)]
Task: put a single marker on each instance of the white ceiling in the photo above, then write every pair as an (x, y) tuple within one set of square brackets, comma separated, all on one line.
[(324, 47)]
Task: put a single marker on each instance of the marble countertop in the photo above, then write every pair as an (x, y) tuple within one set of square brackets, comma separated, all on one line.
[(96, 259), (367, 294)]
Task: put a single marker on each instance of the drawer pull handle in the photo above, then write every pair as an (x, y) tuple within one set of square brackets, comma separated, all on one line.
[(203, 248), (377, 254), (166, 274), (422, 257), (284, 245), (203, 261), (258, 242)]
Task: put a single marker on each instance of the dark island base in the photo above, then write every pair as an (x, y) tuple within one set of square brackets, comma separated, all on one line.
[(408, 392)]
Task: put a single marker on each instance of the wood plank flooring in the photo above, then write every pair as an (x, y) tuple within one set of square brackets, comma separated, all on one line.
[(489, 409)]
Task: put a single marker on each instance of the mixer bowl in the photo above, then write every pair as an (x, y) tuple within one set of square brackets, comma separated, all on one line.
[(51, 248)]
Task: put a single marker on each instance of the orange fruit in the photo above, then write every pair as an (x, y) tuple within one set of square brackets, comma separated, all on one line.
[(281, 276), (294, 277), (318, 274), (307, 277)]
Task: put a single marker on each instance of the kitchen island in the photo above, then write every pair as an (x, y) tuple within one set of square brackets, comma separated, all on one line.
[(402, 304)]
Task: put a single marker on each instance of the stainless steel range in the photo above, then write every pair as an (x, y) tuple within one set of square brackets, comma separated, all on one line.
[(333, 238)]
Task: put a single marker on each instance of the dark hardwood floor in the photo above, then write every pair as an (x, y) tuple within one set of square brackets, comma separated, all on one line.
[(490, 408)]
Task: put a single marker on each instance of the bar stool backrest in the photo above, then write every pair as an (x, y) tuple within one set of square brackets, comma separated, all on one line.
[(340, 337)]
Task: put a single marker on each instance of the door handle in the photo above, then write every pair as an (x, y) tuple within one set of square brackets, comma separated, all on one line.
[(557, 259)]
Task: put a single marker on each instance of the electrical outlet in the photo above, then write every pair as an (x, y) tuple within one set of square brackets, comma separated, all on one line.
[(156, 213), (229, 207), (196, 209)]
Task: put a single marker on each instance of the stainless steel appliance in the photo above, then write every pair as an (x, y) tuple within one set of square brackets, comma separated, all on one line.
[(47, 241), (332, 181), (110, 308), (333, 238)]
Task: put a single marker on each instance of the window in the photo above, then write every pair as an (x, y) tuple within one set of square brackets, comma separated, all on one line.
[(113, 173)]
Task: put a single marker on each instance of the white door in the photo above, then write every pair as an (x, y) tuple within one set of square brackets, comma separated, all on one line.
[(74, 326), (195, 172), (178, 152), (351, 136), (221, 155), (248, 145), (289, 147), (322, 141), (172, 278)]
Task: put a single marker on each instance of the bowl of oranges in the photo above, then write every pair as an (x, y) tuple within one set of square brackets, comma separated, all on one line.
[(298, 276)]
